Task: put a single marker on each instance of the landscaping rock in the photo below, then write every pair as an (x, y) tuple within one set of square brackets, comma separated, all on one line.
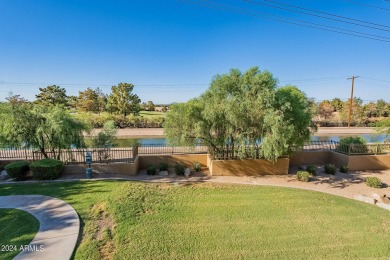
[(163, 173), (4, 175), (385, 199), (365, 199), (376, 196), (187, 172)]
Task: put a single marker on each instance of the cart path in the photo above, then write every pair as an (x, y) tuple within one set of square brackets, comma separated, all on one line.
[(58, 230)]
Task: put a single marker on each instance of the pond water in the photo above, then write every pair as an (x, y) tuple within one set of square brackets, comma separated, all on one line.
[(128, 142)]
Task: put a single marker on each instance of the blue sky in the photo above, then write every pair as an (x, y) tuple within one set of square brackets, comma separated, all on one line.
[(152, 44)]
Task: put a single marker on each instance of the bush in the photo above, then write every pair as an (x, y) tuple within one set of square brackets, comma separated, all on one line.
[(196, 166), (151, 170), (373, 182), (179, 169), (18, 170), (346, 142), (344, 169), (303, 176), (163, 166), (311, 169), (330, 169), (47, 169)]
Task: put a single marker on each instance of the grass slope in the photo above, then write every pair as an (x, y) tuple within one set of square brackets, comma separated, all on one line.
[(152, 114), (130, 220), (17, 228)]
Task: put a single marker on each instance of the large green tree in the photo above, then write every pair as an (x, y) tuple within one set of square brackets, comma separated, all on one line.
[(123, 100), (88, 100), (49, 129), (239, 113), (51, 96)]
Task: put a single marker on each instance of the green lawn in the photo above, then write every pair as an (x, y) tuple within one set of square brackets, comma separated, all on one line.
[(152, 114), (17, 228), (132, 220)]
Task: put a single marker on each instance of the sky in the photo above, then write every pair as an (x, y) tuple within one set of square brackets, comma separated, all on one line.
[(170, 50)]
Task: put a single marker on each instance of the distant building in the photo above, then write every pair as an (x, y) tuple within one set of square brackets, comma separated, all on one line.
[(161, 109)]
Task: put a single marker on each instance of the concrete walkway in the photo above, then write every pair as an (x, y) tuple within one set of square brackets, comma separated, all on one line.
[(59, 226)]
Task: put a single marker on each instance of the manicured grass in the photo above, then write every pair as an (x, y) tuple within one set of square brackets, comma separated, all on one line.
[(152, 114), (131, 220), (17, 228)]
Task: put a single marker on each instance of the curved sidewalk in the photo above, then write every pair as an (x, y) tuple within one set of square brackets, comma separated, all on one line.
[(58, 230)]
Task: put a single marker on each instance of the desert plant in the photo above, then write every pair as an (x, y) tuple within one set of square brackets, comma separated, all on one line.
[(17, 170), (47, 169), (196, 166), (163, 166), (330, 169), (352, 145), (373, 182), (344, 168), (151, 170), (179, 169), (311, 169), (303, 176)]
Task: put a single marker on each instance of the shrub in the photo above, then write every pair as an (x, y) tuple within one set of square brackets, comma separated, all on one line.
[(373, 182), (163, 166), (151, 170), (311, 169), (330, 169), (344, 169), (303, 176), (345, 143), (47, 169), (179, 169), (196, 166), (18, 170)]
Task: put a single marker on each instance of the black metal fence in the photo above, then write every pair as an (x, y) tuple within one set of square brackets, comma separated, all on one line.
[(74, 156), (316, 145), (162, 149), (128, 155), (364, 149), (16, 154)]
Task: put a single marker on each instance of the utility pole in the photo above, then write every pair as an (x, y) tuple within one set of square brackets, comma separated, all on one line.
[(351, 100)]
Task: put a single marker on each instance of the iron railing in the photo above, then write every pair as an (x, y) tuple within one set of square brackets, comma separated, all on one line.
[(162, 149), (363, 149)]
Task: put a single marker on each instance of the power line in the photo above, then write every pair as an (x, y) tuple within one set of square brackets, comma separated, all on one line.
[(258, 14), (354, 21), (385, 81), (308, 82), (368, 5)]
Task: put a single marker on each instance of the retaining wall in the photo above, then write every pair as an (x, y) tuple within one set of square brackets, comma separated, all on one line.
[(249, 167), (109, 168), (185, 159)]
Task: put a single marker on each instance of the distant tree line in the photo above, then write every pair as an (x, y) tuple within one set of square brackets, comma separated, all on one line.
[(335, 112), (121, 100)]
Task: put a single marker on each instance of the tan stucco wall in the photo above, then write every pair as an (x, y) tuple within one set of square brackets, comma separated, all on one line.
[(249, 167), (369, 162), (186, 159), (338, 159), (308, 158), (110, 168)]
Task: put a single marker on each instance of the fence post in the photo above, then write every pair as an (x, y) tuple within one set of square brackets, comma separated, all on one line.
[(349, 149)]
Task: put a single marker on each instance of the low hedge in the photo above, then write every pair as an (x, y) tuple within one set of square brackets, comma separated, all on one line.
[(311, 169), (179, 169), (330, 169), (151, 170), (47, 169), (18, 170), (374, 182), (344, 169), (303, 176)]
